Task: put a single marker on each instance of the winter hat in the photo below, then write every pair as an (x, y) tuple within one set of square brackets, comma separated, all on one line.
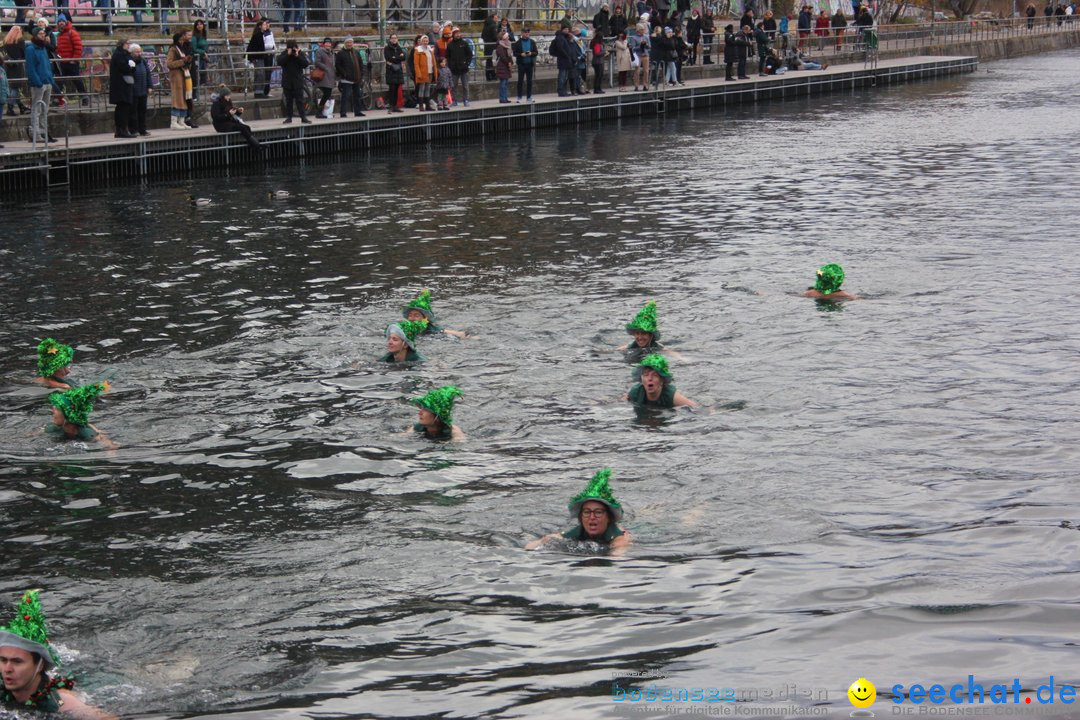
[(52, 356), (656, 362), (829, 279), (645, 321), (421, 302), (27, 630), (440, 401), (407, 331), (597, 489), (77, 404)]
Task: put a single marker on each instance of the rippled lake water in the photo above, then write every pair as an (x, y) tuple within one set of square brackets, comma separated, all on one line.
[(879, 490)]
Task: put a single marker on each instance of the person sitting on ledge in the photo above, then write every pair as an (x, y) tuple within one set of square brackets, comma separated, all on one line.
[(71, 414), (54, 364), (227, 118), (796, 60), (436, 414), (655, 387), (597, 513), (401, 342), (28, 661), (419, 309), (827, 284)]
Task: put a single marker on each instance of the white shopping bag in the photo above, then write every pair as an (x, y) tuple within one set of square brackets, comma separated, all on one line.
[(329, 110)]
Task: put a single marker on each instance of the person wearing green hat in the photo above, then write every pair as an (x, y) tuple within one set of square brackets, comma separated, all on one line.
[(646, 331), (597, 513), (27, 664), (827, 284), (435, 414), (54, 364), (419, 309), (655, 387), (71, 414), (401, 342)]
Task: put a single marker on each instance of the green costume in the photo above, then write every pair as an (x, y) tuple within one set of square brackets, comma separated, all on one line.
[(27, 632), (77, 404), (422, 302), (829, 279), (637, 394), (645, 321), (597, 490), (407, 331), (52, 356), (440, 402)]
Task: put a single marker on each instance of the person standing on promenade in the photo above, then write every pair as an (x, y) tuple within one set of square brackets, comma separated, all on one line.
[(69, 48), (504, 60), (747, 19), (144, 81), (525, 52), (490, 36), (324, 63), (601, 22), (839, 24), (599, 52), (640, 48), (708, 35), (618, 22), (768, 24), (425, 72), (122, 89), (39, 75), (693, 35), (762, 41), (260, 50), (459, 57), (349, 68), (179, 62), (622, 59), (1030, 13), (200, 48), (15, 49), (394, 59), (292, 63), (565, 51)]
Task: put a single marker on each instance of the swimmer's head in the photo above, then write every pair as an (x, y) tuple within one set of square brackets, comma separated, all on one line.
[(645, 321), (829, 279), (419, 308)]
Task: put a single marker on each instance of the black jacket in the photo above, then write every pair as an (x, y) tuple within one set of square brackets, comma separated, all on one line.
[(394, 56), (458, 56), (619, 24), (565, 51), (693, 29), (121, 77), (220, 116), (292, 69), (520, 53), (344, 67), (490, 33), (601, 23)]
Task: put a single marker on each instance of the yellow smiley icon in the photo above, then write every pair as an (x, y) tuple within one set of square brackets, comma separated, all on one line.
[(862, 693)]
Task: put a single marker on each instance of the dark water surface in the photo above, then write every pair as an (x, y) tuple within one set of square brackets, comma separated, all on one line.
[(885, 489)]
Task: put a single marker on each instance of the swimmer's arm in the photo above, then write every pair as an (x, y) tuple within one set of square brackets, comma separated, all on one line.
[(102, 437), (76, 708), (456, 333), (456, 433), (674, 354), (539, 542), (681, 400), (50, 383), (622, 348), (843, 295), (811, 293), (618, 545)]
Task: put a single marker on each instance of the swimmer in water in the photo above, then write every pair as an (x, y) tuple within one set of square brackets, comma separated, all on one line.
[(28, 663), (827, 284), (401, 342), (435, 414), (54, 364), (645, 328), (597, 514), (71, 414), (419, 309), (655, 387)]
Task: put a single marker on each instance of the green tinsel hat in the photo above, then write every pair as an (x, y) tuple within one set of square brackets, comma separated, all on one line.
[(407, 330), (829, 278), (52, 356), (645, 320), (78, 403), (421, 302), (598, 490), (440, 401), (656, 362), (27, 631)]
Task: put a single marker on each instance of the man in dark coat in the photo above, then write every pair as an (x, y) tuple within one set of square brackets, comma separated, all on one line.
[(490, 36), (744, 41), (601, 22), (762, 39), (226, 118), (693, 35), (806, 21), (565, 51), (525, 52), (619, 23), (747, 19), (122, 89), (292, 63), (708, 34), (349, 68), (730, 52), (459, 57)]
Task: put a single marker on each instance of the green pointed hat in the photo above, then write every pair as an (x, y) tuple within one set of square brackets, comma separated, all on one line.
[(27, 630), (656, 362), (645, 320), (78, 403), (52, 356), (598, 490), (407, 330), (829, 278), (421, 302), (440, 401)]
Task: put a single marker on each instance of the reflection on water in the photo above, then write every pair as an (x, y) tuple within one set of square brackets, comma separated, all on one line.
[(270, 541)]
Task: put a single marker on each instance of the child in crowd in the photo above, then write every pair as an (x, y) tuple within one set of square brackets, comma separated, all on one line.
[(443, 85)]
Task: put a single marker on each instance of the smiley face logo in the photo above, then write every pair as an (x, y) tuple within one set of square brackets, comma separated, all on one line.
[(862, 693)]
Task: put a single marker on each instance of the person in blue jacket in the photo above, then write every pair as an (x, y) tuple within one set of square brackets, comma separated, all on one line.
[(564, 49), (525, 51), (39, 76)]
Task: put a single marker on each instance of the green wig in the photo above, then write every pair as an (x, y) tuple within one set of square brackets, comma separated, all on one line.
[(78, 403), (656, 362), (407, 330), (440, 401), (829, 278), (645, 321), (52, 356), (27, 630), (597, 489), (421, 302)]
